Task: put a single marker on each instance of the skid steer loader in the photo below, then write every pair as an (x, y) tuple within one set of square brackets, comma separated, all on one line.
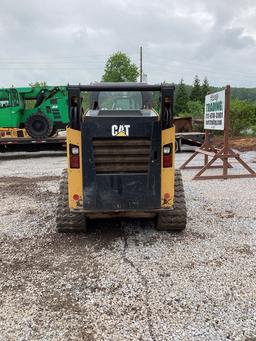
[(121, 158)]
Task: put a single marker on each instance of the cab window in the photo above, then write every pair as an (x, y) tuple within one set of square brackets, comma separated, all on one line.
[(4, 99), (120, 100), (14, 98)]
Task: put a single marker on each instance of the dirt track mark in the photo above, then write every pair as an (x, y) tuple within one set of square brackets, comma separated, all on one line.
[(143, 280), (21, 186), (30, 155), (21, 179)]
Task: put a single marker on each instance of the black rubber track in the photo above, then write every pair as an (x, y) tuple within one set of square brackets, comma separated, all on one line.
[(174, 219), (67, 221)]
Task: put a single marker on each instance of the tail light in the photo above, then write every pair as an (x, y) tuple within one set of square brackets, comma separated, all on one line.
[(74, 156), (167, 155)]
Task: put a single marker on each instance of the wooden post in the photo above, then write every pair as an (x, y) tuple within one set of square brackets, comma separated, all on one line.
[(206, 146), (141, 72), (226, 131)]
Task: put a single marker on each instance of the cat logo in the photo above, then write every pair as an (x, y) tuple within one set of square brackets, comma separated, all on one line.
[(120, 130)]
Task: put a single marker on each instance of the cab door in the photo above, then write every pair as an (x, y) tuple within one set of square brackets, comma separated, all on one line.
[(17, 108), (10, 108)]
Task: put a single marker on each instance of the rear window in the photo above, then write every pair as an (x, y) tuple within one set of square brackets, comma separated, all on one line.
[(123, 100)]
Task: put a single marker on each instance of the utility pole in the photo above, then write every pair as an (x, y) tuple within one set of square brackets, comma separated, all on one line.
[(141, 71)]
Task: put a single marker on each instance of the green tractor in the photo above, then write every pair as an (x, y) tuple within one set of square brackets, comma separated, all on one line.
[(40, 110)]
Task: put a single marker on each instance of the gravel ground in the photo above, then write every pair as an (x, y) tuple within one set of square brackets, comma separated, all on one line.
[(124, 280)]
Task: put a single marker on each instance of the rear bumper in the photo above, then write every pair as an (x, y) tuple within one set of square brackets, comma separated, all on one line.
[(119, 214)]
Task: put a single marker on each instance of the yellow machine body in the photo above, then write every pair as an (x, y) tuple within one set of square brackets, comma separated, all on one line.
[(167, 174), (75, 175)]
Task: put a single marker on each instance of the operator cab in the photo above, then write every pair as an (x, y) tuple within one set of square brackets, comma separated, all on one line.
[(121, 103), (11, 106), (9, 98)]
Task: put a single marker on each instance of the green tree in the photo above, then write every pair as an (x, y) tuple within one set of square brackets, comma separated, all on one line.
[(205, 89), (242, 117), (181, 99), (30, 103), (196, 90), (38, 83), (195, 109), (119, 68)]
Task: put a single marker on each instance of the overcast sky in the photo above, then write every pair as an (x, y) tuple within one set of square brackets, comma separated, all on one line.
[(69, 41)]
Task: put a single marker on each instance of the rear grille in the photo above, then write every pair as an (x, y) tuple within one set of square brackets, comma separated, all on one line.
[(121, 155)]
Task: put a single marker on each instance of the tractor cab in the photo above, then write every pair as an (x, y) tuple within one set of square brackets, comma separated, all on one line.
[(11, 107)]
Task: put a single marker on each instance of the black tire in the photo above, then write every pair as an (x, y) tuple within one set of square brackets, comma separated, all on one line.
[(66, 221), (38, 126), (174, 219)]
